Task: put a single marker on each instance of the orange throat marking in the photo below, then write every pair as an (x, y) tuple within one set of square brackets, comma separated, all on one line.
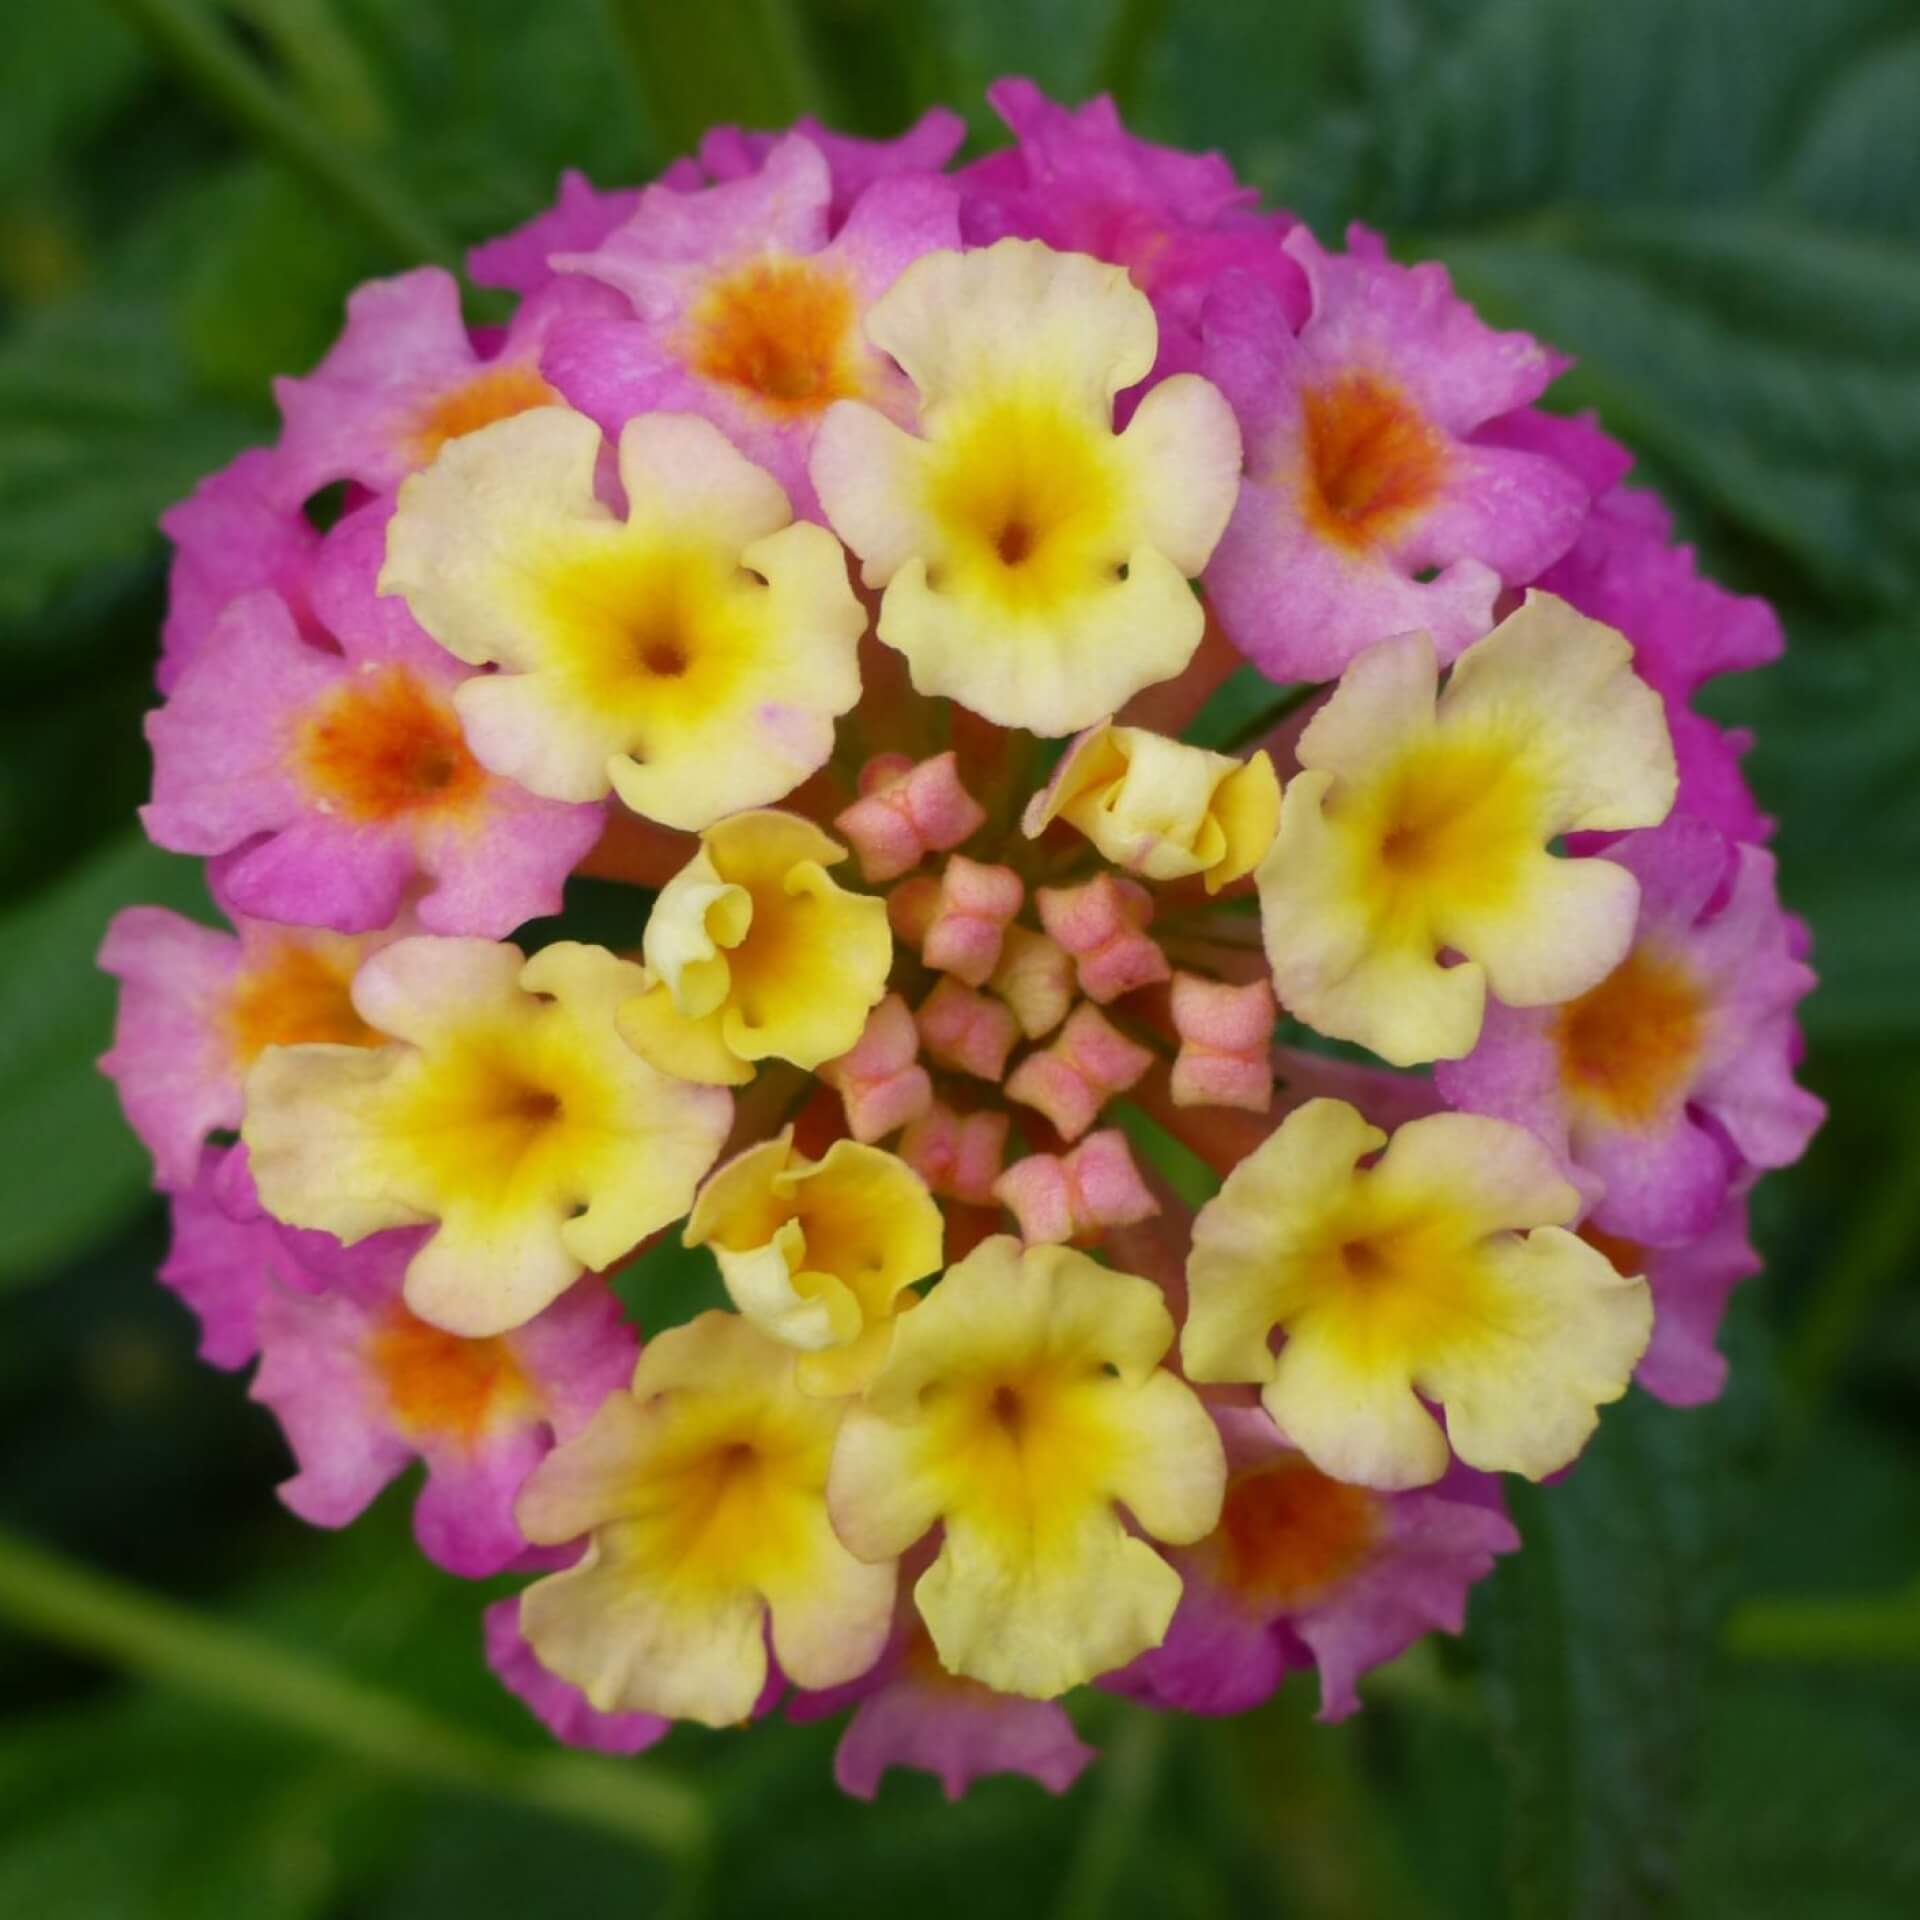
[(495, 393), (781, 331), (1628, 1047), (1289, 1534), (440, 1384), (295, 995), (1372, 462), (384, 744)]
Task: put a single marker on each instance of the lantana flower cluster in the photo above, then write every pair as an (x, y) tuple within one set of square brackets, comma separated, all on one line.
[(1188, 958)]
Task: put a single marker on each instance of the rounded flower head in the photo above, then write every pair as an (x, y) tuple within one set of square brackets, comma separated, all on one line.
[(1019, 1407), (702, 1493), (1421, 825), (1441, 1275), (692, 656), (504, 1108), (820, 1253), (1034, 562), (755, 952)]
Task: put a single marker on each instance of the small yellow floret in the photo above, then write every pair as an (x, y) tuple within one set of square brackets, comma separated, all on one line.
[(703, 1496), (1421, 825), (692, 656), (1035, 562), (821, 1254), (1414, 1278), (1022, 1404), (504, 1108), (1163, 809), (755, 953)]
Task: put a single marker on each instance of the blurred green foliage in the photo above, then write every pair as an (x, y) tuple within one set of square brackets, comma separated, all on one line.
[(1693, 1695)]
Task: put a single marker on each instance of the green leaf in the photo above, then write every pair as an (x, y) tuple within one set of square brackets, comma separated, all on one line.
[(1599, 1638), (70, 1171)]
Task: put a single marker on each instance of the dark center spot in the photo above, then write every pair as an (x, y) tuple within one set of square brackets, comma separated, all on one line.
[(1007, 1409), (1363, 1260), (663, 656), (1015, 543)]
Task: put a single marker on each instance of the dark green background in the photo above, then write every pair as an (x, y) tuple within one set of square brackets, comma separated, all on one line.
[(1696, 1693)]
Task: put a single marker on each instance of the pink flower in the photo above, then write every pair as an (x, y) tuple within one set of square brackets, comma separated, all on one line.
[(1078, 180), (1691, 1284), (559, 1707), (1305, 1568), (746, 306), (579, 219), (1664, 1084), (853, 164), (405, 377), (1369, 507), (908, 1711), (337, 781), (198, 1007), (361, 1388), (1685, 630), (230, 536)]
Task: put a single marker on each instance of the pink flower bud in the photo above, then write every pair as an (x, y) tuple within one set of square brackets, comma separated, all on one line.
[(970, 920), (958, 1155), (879, 1079), (1101, 924), (1075, 1196), (911, 907), (1226, 1043), (967, 1031), (1076, 1076), (906, 812)]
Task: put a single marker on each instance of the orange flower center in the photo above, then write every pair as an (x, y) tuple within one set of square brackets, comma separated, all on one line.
[(781, 330), (1628, 1047), (1289, 1534), (438, 1383), (497, 393), (295, 994), (1372, 461), (385, 744)]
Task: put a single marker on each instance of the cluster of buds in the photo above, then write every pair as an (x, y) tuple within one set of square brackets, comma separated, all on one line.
[(845, 553)]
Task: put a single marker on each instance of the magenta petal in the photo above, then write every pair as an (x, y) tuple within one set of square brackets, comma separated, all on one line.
[(560, 1708)]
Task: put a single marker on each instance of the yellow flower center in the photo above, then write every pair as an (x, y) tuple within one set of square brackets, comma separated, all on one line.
[(781, 331), (655, 632), (496, 393), (439, 1384), (1372, 461), (1028, 494), (1451, 824), (1629, 1046), (1289, 1534), (296, 993), (383, 745)]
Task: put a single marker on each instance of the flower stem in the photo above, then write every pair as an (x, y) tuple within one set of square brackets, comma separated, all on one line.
[(1129, 1775), (227, 1667), (191, 38), (1830, 1632)]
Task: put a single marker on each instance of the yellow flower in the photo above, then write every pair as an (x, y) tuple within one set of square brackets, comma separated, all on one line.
[(692, 656), (1415, 1278), (754, 953), (703, 1496), (821, 1254), (505, 1108), (1021, 1406), (1423, 825), (1160, 808), (1035, 562)]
